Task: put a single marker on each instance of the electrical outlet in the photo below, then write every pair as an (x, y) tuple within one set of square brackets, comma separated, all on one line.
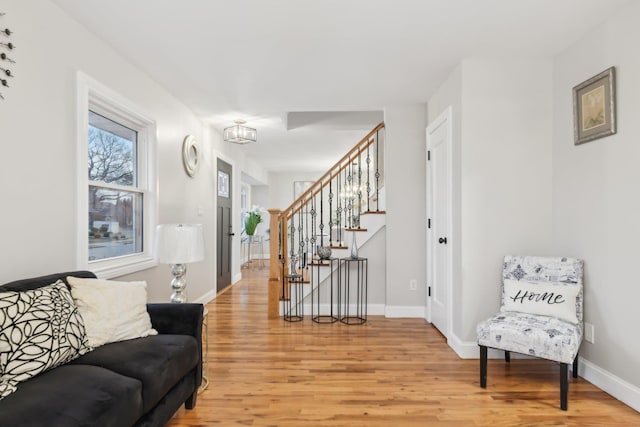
[(413, 284), (589, 333)]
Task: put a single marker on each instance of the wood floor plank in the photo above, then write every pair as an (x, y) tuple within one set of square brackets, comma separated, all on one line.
[(387, 372)]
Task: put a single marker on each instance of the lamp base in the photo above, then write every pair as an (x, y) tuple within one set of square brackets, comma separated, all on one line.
[(179, 283)]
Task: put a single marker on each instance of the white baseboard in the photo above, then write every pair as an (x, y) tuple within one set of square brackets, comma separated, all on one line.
[(236, 278), (372, 309), (617, 387), (464, 349), (206, 298), (375, 310), (406, 311)]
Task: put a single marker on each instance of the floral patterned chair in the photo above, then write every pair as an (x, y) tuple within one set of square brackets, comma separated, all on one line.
[(541, 314)]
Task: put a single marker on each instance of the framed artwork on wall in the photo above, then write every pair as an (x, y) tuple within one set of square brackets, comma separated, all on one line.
[(594, 107)]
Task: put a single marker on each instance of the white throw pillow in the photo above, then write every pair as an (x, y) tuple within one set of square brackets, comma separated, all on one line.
[(547, 299), (112, 311)]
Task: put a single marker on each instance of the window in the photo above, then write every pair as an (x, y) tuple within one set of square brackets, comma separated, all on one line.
[(117, 201)]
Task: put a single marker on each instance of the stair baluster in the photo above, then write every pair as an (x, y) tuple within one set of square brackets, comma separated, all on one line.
[(346, 187)]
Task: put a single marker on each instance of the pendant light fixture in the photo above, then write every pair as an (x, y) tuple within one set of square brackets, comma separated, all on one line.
[(240, 134)]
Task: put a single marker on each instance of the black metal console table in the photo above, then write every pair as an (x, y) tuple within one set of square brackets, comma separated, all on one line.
[(352, 290), (318, 315)]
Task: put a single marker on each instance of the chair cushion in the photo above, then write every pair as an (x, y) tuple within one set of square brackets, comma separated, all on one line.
[(74, 396), (535, 335), (159, 362)]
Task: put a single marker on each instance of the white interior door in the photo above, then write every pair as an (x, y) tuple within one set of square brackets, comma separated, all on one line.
[(438, 233)]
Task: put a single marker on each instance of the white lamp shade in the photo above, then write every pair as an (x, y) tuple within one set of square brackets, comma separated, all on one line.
[(179, 243)]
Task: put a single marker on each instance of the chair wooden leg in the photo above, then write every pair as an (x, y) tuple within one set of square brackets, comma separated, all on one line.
[(575, 367), (564, 385), (507, 356), (483, 366)]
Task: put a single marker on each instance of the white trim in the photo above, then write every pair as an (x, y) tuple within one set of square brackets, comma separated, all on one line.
[(445, 117), (620, 389), (404, 311), (464, 349), (470, 350), (117, 270), (92, 93), (206, 298), (372, 309), (617, 387), (236, 278)]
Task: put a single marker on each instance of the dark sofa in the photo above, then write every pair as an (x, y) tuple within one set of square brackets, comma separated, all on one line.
[(139, 382)]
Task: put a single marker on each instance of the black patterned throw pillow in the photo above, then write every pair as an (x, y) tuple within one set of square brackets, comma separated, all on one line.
[(39, 330)]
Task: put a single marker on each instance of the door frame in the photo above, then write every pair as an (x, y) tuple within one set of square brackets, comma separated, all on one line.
[(445, 118)]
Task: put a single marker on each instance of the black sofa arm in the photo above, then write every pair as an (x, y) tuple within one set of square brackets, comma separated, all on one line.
[(179, 319)]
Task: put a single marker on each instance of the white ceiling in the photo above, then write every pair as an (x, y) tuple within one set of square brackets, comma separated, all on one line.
[(261, 59)]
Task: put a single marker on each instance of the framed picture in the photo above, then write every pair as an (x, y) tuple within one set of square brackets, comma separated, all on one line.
[(300, 187), (594, 107)]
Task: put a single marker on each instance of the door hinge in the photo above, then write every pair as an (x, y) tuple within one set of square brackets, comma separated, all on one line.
[(428, 154), (428, 222), (429, 288)]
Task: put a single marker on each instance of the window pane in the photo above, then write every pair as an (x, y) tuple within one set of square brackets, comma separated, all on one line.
[(112, 151), (115, 223)]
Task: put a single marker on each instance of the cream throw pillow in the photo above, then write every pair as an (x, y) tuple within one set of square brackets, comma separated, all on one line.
[(112, 311), (547, 299)]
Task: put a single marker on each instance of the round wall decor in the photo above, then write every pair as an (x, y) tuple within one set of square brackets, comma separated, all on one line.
[(190, 155)]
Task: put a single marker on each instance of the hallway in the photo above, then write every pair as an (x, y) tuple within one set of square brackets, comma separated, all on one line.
[(387, 372)]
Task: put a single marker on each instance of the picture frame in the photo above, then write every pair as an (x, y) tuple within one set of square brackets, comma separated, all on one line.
[(300, 187), (594, 107)]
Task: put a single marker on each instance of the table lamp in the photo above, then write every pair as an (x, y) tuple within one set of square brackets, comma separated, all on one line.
[(179, 244)]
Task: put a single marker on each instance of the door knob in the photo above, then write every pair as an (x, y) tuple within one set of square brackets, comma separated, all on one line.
[(232, 234), (442, 240)]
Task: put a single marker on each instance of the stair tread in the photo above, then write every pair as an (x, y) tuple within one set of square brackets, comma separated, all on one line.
[(355, 229), (373, 213), (339, 247)]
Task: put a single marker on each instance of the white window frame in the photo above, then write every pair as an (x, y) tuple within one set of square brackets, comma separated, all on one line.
[(96, 97)]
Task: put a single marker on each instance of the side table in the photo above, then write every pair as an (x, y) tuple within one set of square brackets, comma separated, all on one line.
[(316, 266), (205, 341), (352, 290)]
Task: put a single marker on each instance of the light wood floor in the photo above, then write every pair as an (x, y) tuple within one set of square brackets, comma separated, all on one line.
[(388, 372)]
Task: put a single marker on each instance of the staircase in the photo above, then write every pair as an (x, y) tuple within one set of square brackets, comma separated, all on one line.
[(346, 201)]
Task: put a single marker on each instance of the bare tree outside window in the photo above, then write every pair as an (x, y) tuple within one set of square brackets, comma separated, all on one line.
[(115, 204)]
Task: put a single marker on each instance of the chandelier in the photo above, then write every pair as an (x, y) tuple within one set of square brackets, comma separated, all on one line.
[(240, 134)]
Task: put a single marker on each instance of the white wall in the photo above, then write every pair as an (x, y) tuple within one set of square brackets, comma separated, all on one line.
[(38, 149), (281, 186), (501, 178), (506, 176), (595, 195), (405, 158)]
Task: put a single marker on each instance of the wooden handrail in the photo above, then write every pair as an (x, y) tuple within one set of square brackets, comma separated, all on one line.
[(294, 207)]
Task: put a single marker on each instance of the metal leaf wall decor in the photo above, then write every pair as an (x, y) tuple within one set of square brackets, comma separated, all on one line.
[(6, 61)]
